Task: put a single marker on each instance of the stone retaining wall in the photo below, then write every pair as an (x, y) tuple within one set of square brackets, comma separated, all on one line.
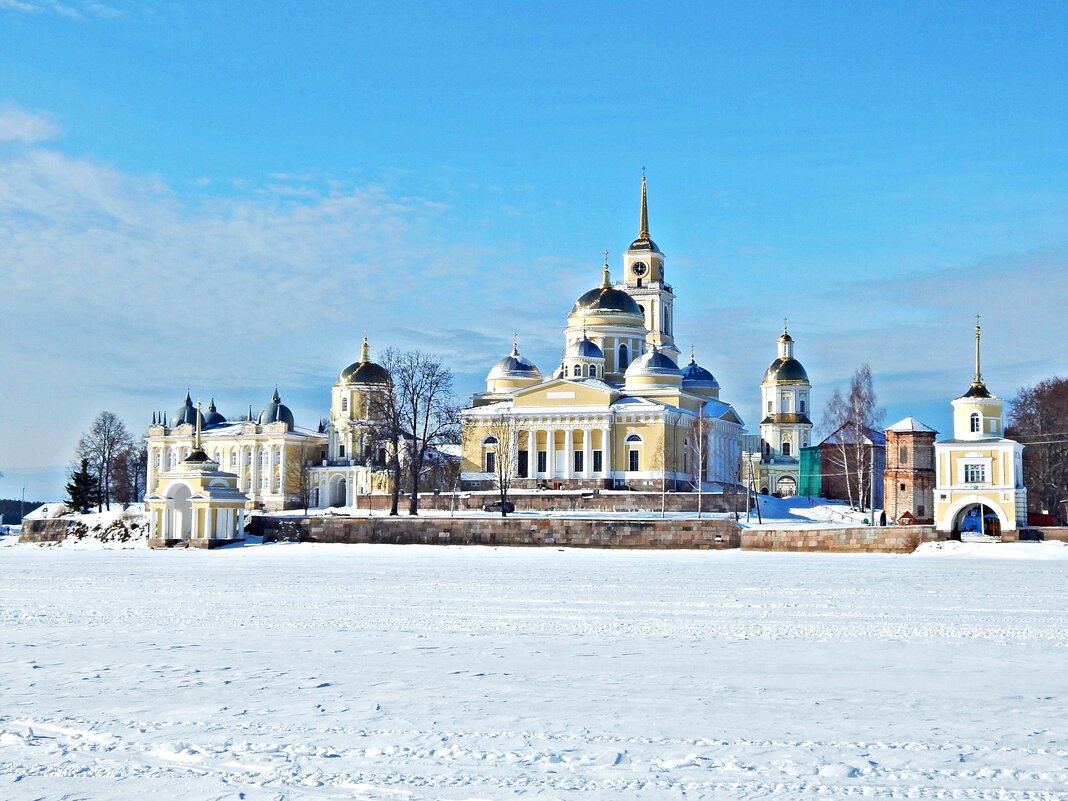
[(50, 530), (574, 533), (1057, 533), (872, 539)]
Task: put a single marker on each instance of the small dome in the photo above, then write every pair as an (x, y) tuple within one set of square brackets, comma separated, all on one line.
[(785, 370), (213, 418), (655, 362), (696, 376), (514, 366), (607, 299), (584, 349), (364, 371), (186, 413), (276, 412)]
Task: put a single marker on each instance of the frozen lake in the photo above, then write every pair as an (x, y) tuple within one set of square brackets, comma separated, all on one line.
[(409, 672)]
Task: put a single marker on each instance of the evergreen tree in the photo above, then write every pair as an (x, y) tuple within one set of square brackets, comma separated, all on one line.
[(82, 489)]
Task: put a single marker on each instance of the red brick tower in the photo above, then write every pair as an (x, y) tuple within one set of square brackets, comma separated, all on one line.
[(909, 478)]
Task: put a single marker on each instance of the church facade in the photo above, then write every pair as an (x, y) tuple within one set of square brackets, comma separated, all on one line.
[(618, 412)]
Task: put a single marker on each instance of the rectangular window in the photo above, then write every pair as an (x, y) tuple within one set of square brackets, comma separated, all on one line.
[(786, 449), (233, 459), (902, 487), (578, 461), (974, 474), (491, 462), (341, 451), (542, 461), (769, 407), (598, 463), (802, 409), (921, 511), (633, 466)]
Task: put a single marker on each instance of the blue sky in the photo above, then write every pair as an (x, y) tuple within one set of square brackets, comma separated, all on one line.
[(227, 196)]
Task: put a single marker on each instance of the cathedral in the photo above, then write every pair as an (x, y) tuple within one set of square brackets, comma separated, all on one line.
[(618, 412)]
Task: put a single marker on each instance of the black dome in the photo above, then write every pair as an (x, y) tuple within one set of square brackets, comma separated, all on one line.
[(213, 418), (364, 373), (786, 370), (607, 299), (276, 412), (696, 375), (186, 413)]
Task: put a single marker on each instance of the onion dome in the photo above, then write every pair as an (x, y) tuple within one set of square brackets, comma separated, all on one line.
[(694, 376), (213, 418), (584, 349), (276, 412), (654, 363), (364, 371), (186, 413), (644, 241), (514, 366), (606, 299), (785, 370)]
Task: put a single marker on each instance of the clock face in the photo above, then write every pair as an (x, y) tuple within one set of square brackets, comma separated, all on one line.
[(639, 268)]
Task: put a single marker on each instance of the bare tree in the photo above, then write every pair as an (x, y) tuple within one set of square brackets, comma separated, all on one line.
[(1038, 418), (101, 445), (852, 422), (698, 450), (130, 473), (503, 451), (423, 386)]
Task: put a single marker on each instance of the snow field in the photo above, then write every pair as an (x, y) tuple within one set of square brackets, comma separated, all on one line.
[(411, 672)]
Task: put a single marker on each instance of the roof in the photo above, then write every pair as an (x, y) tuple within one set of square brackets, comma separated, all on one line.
[(787, 417), (911, 424), (851, 434), (785, 370)]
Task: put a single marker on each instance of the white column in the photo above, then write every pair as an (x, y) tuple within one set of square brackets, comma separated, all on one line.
[(587, 452), (282, 469), (254, 471), (606, 448), (532, 452), (568, 455), (194, 528)]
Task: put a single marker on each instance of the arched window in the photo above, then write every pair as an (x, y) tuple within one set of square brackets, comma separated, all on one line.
[(902, 454), (624, 358), (786, 446), (634, 438), (667, 321), (593, 371), (578, 371), (974, 422), (801, 407), (490, 440)]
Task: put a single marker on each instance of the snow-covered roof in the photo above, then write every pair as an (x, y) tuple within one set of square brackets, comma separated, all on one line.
[(911, 424)]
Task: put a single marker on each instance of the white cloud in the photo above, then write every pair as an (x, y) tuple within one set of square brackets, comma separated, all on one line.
[(18, 125), (72, 10)]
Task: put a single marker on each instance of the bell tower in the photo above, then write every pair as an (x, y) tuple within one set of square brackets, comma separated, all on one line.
[(643, 280)]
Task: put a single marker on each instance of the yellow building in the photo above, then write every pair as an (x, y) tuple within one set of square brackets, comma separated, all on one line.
[(278, 464), (618, 412), (196, 501), (979, 473)]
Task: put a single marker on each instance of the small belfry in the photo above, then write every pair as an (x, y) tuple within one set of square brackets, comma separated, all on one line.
[(979, 472), (785, 428)]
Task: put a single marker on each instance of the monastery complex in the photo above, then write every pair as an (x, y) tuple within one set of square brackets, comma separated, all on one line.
[(620, 412)]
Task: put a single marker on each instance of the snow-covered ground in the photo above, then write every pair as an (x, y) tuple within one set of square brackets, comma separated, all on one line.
[(409, 672)]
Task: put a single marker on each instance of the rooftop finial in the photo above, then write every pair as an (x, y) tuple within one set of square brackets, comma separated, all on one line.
[(365, 350), (643, 221), (606, 277), (196, 439), (515, 343), (977, 379), (785, 328), (692, 357)]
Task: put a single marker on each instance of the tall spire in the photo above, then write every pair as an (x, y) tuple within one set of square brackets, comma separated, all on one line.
[(196, 439), (977, 379), (643, 220)]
